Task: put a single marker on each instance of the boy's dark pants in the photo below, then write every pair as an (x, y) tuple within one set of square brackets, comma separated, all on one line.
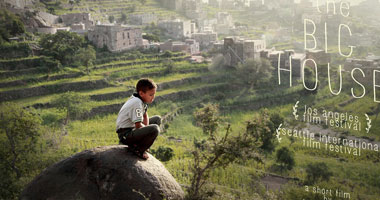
[(143, 137)]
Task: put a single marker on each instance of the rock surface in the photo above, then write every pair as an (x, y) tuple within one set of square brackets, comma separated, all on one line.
[(108, 172)]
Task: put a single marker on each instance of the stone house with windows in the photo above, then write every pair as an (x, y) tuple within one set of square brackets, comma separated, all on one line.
[(205, 39), (78, 18), (116, 38), (238, 50), (177, 29), (297, 60), (142, 18), (215, 3), (193, 9), (190, 46), (368, 65), (319, 56), (224, 23)]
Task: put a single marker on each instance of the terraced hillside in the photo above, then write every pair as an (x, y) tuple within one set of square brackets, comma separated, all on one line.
[(100, 10), (182, 88)]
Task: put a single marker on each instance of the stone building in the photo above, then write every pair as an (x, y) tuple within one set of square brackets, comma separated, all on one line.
[(370, 62), (193, 9), (319, 56), (142, 18), (297, 60), (176, 29), (172, 4), (368, 65), (368, 5), (206, 24), (237, 50), (214, 3), (224, 23), (17, 3), (228, 4), (116, 37), (78, 18), (78, 28), (190, 46), (205, 39)]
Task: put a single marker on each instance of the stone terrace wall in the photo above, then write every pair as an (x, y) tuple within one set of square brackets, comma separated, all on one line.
[(51, 89), (44, 78)]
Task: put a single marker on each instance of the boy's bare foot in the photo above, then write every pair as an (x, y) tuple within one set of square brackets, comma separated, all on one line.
[(142, 155), (145, 155)]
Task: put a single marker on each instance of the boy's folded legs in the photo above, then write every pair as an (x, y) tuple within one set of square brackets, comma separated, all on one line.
[(143, 137)]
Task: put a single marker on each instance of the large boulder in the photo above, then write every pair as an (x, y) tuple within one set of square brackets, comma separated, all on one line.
[(108, 172)]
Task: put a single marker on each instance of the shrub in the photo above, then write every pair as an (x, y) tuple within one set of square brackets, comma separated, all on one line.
[(10, 25), (286, 158), (19, 147), (163, 153), (62, 46), (317, 172)]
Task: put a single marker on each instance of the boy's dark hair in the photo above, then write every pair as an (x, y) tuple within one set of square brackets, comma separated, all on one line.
[(145, 84)]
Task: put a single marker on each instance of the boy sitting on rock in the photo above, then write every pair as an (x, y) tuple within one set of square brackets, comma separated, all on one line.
[(133, 125)]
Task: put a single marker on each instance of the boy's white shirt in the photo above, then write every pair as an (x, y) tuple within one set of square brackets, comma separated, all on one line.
[(131, 112)]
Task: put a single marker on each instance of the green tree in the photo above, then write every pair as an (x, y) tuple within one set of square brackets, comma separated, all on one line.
[(218, 151), (123, 18), (265, 126), (310, 80), (169, 66), (167, 54), (163, 153), (111, 18), (72, 103), (19, 141), (85, 56), (51, 10), (132, 8), (377, 111), (62, 46), (151, 37), (218, 63), (286, 158), (317, 172), (10, 25), (207, 118), (254, 71)]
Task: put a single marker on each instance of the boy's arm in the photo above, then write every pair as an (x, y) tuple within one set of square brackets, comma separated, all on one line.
[(146, 119), (139, 125)]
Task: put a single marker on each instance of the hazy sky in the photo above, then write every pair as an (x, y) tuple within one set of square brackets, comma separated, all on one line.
[(353, 2)]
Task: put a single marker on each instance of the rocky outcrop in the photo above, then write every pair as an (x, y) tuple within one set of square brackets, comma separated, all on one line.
[(104, 173), (17, 3)]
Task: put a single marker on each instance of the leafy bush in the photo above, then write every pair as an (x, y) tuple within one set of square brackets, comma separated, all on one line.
[(252, 72), (10, 25), (62, 46), (163, 153), (266, 133), (317, 172), (19, 142), (15, 50), (286, 158), (167, 54), (72, 103)]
